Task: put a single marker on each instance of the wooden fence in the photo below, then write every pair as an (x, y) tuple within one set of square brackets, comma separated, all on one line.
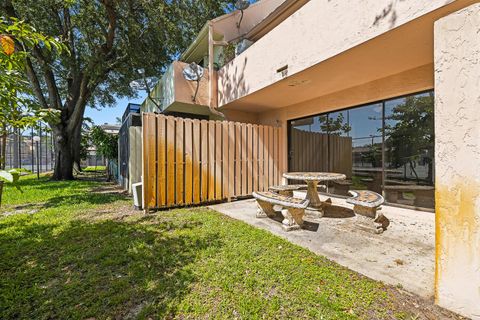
[(314, 151), (187, 162)]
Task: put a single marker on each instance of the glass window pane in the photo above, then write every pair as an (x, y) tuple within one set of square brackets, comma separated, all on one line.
[(350, 142), (340, 150), (366, 125), (308, 145), (409, 153)]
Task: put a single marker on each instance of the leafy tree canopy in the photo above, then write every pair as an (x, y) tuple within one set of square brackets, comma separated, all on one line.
[(107, 41), (17, 110)]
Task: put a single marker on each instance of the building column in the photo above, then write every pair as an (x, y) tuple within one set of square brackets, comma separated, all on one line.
[(457, 161)]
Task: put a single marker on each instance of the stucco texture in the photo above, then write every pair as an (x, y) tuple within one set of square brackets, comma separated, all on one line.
[(457, 127), (338, 26)]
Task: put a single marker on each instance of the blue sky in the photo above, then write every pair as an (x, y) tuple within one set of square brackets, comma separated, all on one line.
[(109, 115)]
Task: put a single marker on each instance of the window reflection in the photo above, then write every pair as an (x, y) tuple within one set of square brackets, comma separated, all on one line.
[(352, 142), (409, 150)]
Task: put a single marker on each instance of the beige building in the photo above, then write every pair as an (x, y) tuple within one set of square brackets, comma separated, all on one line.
[(398, 80)]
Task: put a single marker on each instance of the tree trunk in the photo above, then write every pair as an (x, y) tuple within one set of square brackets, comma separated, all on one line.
[(3, 151), (76, 142), (3, 148), (63, 155)]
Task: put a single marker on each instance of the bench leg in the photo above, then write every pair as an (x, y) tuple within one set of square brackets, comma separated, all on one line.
[(293, 219), (365, 211), (381, 223), (265, 209), (370, 220)]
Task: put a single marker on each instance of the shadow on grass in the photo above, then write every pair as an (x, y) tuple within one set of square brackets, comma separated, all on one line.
[(81, 269), (79, 198)]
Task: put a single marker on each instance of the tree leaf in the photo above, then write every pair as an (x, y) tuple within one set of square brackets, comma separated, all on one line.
[(7, 44)]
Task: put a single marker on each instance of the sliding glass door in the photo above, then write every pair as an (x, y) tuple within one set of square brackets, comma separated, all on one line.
[(386, 147)]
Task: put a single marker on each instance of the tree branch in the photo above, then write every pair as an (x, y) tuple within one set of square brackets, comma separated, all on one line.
[(112, 25), (37, 89), (54, 96), (79, 107)]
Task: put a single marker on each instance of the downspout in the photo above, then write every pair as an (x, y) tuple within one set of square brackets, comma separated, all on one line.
[(212, 76)]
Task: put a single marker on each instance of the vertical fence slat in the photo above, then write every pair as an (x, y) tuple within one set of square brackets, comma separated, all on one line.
[(218, 160), (188, 158), (151, 156), (281, 154), (145, 166), (170, 161), (196, 162), (265, 157), (161, 162), (249, 159), (275, 157), (211, 160), (261, 147), (204, 154), (255, 158), (225, 153), (270, 156), (179, 152), (231, 160), (238, 162), (244, 159)]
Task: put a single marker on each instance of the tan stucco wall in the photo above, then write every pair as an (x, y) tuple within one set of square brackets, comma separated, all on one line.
[(240, 116), (415, 80), (410, 81), (317, 32), (457, 159)]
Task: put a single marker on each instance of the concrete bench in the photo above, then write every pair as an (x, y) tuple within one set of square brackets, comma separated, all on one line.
[(293, 209), (341, 187), (287, 190), (366, 206)]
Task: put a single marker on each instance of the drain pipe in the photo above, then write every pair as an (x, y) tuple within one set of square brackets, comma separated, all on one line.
[(212, 101)]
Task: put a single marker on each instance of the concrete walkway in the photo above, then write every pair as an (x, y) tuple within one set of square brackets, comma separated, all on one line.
[(403, 255)]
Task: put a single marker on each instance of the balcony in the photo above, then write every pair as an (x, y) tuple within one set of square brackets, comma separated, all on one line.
[(174, 94)]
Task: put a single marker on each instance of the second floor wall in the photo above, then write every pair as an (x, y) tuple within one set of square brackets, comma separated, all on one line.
[(174, 92), (318, 32)]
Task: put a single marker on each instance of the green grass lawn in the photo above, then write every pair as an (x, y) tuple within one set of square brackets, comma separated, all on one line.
[(94, 168), (79, 251)]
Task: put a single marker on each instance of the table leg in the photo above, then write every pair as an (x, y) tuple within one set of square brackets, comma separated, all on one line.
[(312, 195)]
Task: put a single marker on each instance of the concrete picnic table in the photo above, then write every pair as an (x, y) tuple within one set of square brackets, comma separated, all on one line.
[(312, 179)]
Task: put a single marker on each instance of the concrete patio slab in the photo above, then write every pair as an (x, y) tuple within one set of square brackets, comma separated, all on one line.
[(403, 255)]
